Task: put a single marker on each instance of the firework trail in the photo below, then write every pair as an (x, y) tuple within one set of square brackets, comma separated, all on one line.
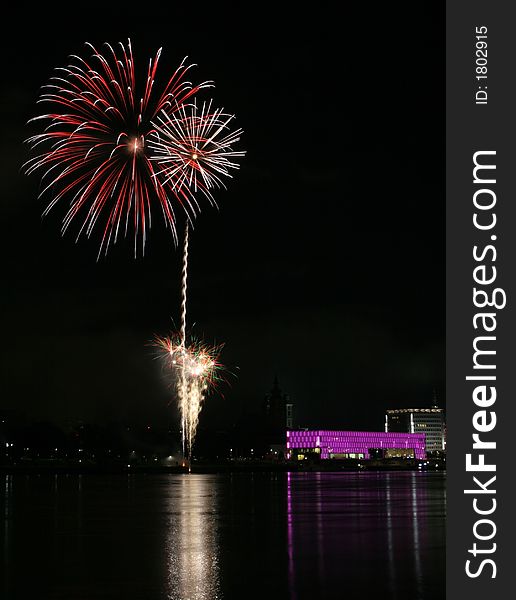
[(193, 150), (183, 386), (93, 148)]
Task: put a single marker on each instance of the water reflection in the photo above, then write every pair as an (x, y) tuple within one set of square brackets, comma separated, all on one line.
[(290, 541), (297, 536), (390, 540), (8, 492), (417, 500), (192, 540), (378, 532)]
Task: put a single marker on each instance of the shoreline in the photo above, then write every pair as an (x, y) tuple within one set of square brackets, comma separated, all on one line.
[(198, 467)]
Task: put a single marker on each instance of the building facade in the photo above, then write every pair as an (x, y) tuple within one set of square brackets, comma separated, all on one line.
[(355, 444), (429, 421)]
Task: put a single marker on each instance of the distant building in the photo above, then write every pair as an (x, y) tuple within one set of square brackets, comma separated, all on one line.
[(429, 421), (277, 415), (279, 410), (355, 444)]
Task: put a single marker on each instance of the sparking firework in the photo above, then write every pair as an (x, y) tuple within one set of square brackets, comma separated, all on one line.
[(193, 148), (94, 143), (196, 370)]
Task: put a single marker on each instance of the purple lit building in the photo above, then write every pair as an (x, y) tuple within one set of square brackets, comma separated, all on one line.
[(355, 444)]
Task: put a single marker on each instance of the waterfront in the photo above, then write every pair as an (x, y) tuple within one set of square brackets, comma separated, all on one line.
[(224, 536)]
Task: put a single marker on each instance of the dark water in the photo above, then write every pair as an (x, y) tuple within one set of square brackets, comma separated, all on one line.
[(231, 536)]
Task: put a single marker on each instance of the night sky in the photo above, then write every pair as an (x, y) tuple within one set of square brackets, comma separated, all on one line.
[(325, 261)]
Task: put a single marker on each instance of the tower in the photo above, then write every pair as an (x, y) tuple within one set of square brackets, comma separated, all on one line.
[(278, 411)]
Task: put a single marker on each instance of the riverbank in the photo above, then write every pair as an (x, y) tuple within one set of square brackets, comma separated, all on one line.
[(64, 467)]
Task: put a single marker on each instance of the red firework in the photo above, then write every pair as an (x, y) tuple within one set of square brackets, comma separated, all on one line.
[(94, 144)]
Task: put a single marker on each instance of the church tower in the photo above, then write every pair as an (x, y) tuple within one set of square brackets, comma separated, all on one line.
[(279, 413)]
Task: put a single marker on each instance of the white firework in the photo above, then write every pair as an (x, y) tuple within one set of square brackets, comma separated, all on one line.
[(193, 148)]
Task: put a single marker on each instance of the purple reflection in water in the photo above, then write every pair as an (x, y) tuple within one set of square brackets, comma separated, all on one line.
[(290, 541), (381, 534)]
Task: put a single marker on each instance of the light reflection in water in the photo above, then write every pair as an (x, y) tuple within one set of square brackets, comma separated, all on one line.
[(370, 529), (390, 541), (290, 541), (192, 541), (415, 529), (8, 492), (320, 528)]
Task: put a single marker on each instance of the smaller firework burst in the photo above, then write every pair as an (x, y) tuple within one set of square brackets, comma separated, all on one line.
[(196, 370), (193, 149)]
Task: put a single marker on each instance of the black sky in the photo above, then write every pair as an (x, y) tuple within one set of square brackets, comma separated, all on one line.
[(325, 262)]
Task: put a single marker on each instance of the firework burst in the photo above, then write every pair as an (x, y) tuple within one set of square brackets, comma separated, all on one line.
[(196, 370), (93, 148), (193, 148)]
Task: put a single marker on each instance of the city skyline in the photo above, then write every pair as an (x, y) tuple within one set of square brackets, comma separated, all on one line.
[(272, 424)]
